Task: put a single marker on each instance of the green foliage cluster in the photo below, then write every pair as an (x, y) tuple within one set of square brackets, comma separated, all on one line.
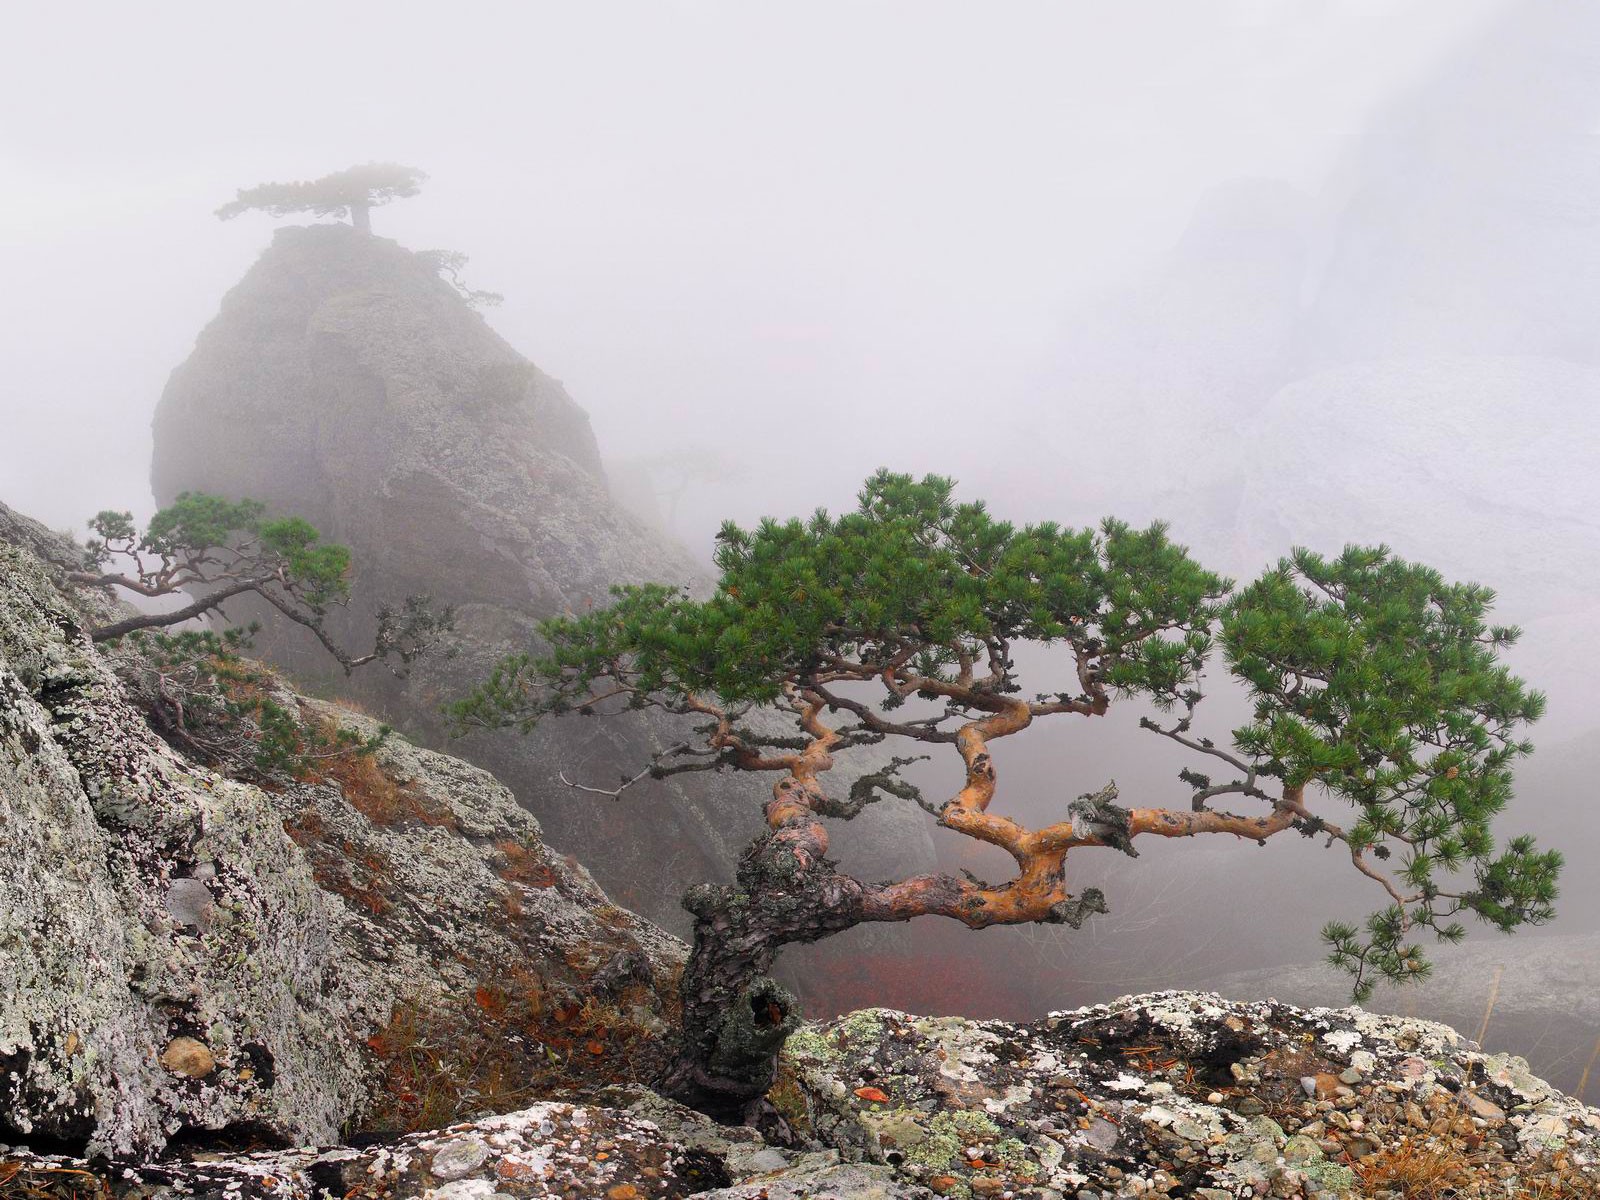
[(1380, 682), (199, 531), (910, 572), (210, 701), (222, 548), (1375, 683)]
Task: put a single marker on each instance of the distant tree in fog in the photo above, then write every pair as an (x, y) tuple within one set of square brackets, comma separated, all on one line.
[(355, 191), (1376, 686), (672, 474), (449, 264)]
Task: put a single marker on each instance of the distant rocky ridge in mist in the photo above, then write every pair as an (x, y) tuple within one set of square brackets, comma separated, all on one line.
[(343, 381), (1407, 357)]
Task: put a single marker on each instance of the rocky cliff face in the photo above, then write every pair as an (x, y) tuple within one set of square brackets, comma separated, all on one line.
[(1176, 1094), (343, 381), (184, 956)]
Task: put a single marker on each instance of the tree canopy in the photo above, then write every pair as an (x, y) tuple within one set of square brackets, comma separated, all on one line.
[(353, 192), (215, 549), (1378, 698)]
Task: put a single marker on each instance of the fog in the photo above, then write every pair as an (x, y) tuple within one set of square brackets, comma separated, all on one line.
[(1281, 273)]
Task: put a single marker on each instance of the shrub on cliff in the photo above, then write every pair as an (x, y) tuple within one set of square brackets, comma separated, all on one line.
[(200, 693)]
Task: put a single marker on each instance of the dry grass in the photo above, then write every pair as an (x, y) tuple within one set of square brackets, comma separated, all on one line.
[(1419, 1169), (524, 865), (372, 792), (339, 866), (34, 1181), (496, 1051)]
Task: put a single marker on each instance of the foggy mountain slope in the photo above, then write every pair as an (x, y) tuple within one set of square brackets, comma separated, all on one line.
[(1148, 384), (344, 382), (1416, 454), (1470, 223)]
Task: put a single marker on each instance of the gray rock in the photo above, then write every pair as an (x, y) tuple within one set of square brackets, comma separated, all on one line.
[(458, 1158), (138, 1001), (189, 902)]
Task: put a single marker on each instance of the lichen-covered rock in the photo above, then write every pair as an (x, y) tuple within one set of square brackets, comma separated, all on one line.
[(345, 382), (648, 1150), (1183, 1093), (181, 952), (1176, 1094)]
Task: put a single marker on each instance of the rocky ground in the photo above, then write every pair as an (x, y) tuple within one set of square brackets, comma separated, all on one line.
[(1179, 1094)]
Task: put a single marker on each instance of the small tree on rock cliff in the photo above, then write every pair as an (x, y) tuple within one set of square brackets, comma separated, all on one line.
[(1375, 683), (225, 548), (355, 191)]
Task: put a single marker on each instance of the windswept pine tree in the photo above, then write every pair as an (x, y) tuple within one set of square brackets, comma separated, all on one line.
[(1383, 724), (353, 192)]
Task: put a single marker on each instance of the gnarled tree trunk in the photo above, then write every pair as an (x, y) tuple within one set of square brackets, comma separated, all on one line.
[(736, 1017)]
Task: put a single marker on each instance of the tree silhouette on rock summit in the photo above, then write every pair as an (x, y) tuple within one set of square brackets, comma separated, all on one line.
[(353, 192)]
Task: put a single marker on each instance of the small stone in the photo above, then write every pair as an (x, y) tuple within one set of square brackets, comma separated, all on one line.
[(987, 1185), (944, 1184), (1102, 1134), (1301, 1149), (459, 1158), (186, 1056), (1350, 1075), (1483, 1109), (189, 902), (622, 1191), (766, 1160)]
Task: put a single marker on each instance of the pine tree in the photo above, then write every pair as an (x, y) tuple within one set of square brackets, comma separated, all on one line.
[(1378, 698), (355, 191)]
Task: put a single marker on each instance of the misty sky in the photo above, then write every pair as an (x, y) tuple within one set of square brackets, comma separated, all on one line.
[(723, 225)]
